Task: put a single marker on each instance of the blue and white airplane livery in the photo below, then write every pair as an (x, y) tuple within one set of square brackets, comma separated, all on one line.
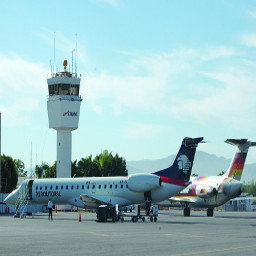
[(91, 192)]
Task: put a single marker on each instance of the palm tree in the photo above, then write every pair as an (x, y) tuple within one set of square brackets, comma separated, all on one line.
[(40, 169)]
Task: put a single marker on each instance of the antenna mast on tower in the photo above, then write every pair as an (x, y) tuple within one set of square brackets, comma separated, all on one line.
[(75, 56), (54, 53)]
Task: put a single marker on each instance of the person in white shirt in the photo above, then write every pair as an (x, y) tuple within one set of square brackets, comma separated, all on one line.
[(50, 205)]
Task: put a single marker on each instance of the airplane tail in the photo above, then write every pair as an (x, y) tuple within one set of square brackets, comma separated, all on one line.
[(237, 164), (182, 165)]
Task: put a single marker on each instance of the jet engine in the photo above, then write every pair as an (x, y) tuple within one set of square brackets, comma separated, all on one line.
[(144, 182), (206, 191)]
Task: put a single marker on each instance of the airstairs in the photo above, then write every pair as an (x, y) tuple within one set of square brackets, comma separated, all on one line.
[(24, 198), (21, 205)]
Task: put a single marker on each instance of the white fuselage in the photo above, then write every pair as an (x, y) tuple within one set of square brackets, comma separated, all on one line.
[(112, 190)]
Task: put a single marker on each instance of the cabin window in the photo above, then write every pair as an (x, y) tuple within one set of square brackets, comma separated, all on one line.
[(93, 186), (88, 186), (77, 187), (57, 187), (116, 186), (61, 187), (36, 187), (50, 187), (105, 186), (66, 187), (121, 186), (110, 186), (45, 187), (99, 186), (82, 186), (126, 185), (72, 187), (40, 187)]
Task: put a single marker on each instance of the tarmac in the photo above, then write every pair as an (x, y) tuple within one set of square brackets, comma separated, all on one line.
[(227, 233)]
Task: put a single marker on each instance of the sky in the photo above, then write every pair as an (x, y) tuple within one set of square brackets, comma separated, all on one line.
[(153, 72)]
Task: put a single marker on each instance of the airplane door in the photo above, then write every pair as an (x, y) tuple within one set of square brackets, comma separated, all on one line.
[(93, 187), (30, 183)]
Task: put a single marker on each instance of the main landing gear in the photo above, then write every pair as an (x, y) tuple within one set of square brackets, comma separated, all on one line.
[(186, 212), (209, 212)]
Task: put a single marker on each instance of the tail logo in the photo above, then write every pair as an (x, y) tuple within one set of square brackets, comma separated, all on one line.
[(184, 163)]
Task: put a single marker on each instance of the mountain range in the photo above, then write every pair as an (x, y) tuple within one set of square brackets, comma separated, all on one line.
[(204, 165)]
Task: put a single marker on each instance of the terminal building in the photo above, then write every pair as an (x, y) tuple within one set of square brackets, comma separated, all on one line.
[(243, 203)]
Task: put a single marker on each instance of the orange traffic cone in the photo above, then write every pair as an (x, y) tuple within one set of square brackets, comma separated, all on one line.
[(79, 216)]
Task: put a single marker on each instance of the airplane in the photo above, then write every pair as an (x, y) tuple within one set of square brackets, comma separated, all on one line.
[(90, 192), (212, 191)]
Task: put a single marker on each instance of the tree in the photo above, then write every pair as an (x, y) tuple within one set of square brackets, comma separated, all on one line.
[(118, 166), (41, 169), (85, 167), (20, 166), (9, 172), (103, 164), (221, 173), (51, 172), (250, 188)]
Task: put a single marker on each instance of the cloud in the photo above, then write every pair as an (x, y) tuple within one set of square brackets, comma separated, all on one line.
[(207, 86), (252, 14), (249, 39), (112, 3), (142, 130), (22, 85), (64, 45)]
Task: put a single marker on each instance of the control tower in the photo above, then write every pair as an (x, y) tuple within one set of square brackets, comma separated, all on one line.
[(63, 107)]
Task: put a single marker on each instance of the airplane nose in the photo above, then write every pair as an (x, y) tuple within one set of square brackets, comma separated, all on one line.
[(12, 198)]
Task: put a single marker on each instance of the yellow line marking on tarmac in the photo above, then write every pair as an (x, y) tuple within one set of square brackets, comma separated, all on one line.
[(217, 250), (96, 234)]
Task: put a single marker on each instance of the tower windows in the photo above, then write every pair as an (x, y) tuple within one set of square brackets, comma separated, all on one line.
[(64, 89)]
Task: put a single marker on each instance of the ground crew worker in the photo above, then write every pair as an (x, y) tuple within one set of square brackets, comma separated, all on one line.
[(50, 205)]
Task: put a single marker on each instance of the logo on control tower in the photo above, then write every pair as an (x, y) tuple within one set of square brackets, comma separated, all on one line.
[(70, 113)]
